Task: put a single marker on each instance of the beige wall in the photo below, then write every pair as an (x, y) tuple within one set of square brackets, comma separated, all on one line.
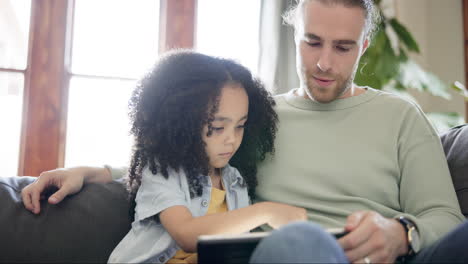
[(437, 26)]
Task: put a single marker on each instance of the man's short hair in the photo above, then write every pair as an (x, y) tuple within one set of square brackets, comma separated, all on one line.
[(371, 13)]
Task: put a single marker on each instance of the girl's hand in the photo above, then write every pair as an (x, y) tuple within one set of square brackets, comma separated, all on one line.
[(281, 214), (185, 229)]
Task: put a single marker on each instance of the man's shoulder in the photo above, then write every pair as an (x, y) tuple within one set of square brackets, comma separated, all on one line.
[(280, 96), (395, 99), (405, 110), (281, 100)]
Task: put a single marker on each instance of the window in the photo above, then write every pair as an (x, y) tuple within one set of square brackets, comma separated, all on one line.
[(66, 81), (14, 35), (108, 56)]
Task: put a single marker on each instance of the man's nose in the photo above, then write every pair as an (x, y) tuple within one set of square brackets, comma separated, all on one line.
[(324, 63)]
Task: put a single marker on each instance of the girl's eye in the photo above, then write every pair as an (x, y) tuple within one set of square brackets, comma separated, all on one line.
[(241, 126), (217, 129)]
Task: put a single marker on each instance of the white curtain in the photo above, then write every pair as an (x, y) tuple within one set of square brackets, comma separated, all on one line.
[(277, 62)]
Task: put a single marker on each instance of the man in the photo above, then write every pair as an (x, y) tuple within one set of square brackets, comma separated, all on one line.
[(354, 157)]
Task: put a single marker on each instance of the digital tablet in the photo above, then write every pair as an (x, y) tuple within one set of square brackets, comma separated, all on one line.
[(236, 248)]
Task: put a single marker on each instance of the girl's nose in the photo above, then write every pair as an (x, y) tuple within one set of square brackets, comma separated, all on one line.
[(230, 137)]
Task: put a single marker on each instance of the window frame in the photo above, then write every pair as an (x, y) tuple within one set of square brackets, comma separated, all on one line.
[(465, 31), (47, 75)]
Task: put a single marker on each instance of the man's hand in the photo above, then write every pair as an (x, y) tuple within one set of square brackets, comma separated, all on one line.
[(373, 238), (68, 181)]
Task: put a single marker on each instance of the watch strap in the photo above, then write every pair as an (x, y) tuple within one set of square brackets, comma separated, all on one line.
[(408, 225)]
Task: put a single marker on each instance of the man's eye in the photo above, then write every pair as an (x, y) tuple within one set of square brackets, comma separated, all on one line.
[(313, 44), (343, 49)]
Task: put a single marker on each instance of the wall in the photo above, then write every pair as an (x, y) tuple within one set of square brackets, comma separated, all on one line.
[(437, 26)]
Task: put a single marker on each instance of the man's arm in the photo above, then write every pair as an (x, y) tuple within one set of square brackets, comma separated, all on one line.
[(426, 196), (67, 180)]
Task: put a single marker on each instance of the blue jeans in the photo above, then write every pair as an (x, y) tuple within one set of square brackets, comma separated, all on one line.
[(304, 242), (299, 242), (452, 248)]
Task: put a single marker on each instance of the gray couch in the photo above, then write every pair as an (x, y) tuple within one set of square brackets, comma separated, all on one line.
[(87, 226)]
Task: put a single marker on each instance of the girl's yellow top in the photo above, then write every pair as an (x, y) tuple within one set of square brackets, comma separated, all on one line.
[(217, 205)]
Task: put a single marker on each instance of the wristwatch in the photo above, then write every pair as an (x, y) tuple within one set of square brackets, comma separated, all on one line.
[(414, 243)]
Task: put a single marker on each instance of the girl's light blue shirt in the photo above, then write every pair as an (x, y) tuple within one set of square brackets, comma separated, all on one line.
[(148, 240)]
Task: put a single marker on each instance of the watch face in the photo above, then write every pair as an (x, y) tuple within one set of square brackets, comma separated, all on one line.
[(414, 242)]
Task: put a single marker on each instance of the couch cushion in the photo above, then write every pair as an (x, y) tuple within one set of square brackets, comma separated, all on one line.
[(82, 228), (455, 143)]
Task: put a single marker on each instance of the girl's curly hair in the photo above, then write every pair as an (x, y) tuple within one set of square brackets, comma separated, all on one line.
[(175, 100)]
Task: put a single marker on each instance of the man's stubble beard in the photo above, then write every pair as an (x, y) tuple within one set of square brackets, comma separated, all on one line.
[(346, 85)]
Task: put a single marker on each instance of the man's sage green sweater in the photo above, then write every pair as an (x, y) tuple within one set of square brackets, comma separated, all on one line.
[(375, 151)]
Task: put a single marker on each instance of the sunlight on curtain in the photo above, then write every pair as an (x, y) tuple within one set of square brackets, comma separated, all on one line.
[(98, 126), (14, 36), (11, 104), (229, 29)]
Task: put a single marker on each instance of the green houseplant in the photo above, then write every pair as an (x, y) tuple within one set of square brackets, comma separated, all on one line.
[(387, 66)]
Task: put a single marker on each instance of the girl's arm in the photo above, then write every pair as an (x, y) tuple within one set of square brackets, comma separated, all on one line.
[(185, 228)]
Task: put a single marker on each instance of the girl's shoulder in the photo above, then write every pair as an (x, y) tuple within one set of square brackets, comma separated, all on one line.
[(172, 175), (176, 180), (157, 192)]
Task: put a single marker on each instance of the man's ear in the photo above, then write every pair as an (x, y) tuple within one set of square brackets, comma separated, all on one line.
[(365, 45)]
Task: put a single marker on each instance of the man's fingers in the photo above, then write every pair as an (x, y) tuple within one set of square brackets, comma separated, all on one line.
[(369, 239), (359, 234), (59, 195), (27, 200), (355, 238), (35, 199), (363, 249), (373, 258), (354, 219), (56, 198)]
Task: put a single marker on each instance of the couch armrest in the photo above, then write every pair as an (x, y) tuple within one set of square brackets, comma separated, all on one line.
[(455, 143), (84, 227)]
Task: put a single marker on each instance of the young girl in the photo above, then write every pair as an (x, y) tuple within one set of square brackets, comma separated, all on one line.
[(193, 115)]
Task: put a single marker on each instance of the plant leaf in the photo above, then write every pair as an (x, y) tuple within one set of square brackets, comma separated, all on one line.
[(413, 76), (366, 77), (403, 57), (367, 73), (460, 89), (388, 64), (437, 87), (404, 35)]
